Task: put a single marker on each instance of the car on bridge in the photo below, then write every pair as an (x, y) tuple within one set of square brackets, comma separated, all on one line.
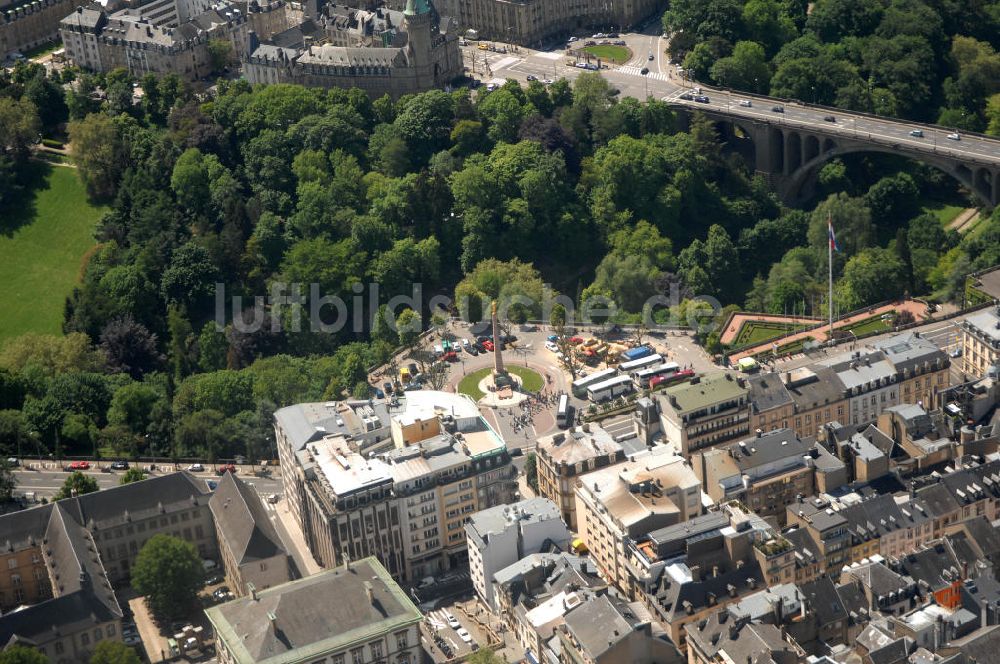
[(687, 96), (746, 103), (954, 137), (78, 465), (917, 133), (829, 118), (778, 109), (701, 99)]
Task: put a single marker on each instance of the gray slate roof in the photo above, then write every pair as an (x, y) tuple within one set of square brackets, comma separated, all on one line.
[(241, 519)]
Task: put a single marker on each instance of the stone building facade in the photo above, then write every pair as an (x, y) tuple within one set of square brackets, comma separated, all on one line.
[(421, 55), (25, 25)]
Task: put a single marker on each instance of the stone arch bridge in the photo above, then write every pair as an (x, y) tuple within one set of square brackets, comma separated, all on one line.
[(789, 147)]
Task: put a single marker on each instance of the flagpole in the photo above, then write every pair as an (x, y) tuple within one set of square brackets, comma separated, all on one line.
[(829, 249)]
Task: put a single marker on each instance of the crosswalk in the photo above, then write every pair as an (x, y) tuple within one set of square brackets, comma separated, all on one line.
[(637, 71), (437, 619)]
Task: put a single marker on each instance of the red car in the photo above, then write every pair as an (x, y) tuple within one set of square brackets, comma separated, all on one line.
[(226, 468), (488, 345), (79, 465), (450, 356), (576, 340)]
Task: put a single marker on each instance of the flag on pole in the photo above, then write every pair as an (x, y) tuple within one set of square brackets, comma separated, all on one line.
[(833, 238)]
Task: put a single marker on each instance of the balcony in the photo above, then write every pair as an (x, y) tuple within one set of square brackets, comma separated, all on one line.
[(773, 547)]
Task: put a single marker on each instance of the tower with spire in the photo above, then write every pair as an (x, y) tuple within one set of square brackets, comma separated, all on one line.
[(500, 377)]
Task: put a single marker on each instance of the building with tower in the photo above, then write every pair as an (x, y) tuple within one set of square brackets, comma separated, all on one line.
[(395, 54)]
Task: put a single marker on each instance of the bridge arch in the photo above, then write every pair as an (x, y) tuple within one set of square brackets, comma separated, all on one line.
[(980, 180)]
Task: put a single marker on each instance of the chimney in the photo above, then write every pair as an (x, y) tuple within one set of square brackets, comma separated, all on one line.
[(369, 592), (273, 618), (252, 590), (715, 571)]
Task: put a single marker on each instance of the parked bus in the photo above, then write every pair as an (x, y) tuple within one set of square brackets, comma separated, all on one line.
[(580, 385), (657, 382), (609, 389), (562, 413), (640, 364), (666, 369), (636, 353)]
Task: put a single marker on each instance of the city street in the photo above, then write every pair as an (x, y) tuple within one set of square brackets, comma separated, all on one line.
[(45, 483), (663, 81)]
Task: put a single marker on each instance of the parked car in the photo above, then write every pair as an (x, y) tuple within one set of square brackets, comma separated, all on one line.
[(572, 39), (778, 109), (472, 350), (13, 462), (387, 387), (464, 634), (917, 133), (452, 620), (196, 468), (379, 394), (552, 337), (488, 345), (547, 81), (225, 468), (576, 340), (953, 137), (479, 347), (79, 465), (273, 498), (531, 77), (450, 356), (650, 57), (550, 345), (956, 352), (119, 465)]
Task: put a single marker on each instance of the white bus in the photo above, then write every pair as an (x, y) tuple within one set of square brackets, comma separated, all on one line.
[(643, 377), (562, 413), (609, 389), (640, 364), (580, 385)]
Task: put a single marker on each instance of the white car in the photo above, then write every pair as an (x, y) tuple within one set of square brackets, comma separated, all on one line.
[(273, 498), (746, 103), (546, 81), (196, 468), (452, 621), (573, 39), (552, 346), (464, 634), (954, 137)]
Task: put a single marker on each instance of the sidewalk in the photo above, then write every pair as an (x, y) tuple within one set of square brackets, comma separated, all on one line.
[(299, 549)]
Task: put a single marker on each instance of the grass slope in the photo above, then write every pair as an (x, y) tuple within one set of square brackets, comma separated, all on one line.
[(754, 332), (43, 236)]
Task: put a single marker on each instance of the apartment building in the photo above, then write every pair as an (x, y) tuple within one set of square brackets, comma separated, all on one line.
[(407, 506), (614, 504), (142, 41), (980, 342), (851, 388), (766, 472), (355, 613), (536, 22), (564, 456), (252, 553), (826, 527), (499, 536), (25, 25), (704, 411), (62, 559)]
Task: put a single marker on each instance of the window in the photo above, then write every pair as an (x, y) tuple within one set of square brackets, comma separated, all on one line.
[(338, 659), (85, 639), (401, 638), (98, 635), (358, 656), (59, 647), (12, 563), (15, 580), (376, 648), (111, 629)]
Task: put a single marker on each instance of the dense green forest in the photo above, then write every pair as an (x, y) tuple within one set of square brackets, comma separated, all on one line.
[(488, 193)]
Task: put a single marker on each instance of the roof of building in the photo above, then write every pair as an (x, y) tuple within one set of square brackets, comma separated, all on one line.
[(703, 391), (879, 579), (769, 449), (577, 445), (633, 491), (597, 626), (767, 392), (142, 500), (243, 522), (307, 422), (986, 323), (910, 351), (824, 389), (499, 519), (934, 565), (296, 621), (824, 600)]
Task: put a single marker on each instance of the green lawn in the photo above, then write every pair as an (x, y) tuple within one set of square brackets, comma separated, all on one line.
[(754, 332), (470, 384), (610, 52), (868, 325), (944, 212), (530, 381), (43, 236)]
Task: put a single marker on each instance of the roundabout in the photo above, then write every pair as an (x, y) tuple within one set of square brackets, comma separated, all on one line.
[(477, 384)]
